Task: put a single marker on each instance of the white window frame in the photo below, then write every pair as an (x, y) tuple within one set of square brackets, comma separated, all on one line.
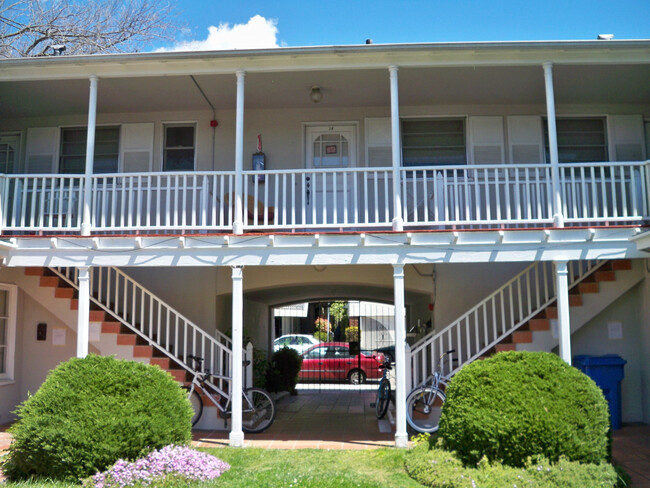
[(59, 145), (163, 141), (10, 353), (411, 118), (606, 129)]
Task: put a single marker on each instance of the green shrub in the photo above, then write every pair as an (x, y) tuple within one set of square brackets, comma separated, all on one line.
[(440, 468), (282, 374), (260, 366), (521, 404), (91, 412)]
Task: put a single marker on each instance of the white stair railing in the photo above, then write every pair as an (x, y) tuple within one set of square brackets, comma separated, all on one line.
[(154, 320), (494, 318)]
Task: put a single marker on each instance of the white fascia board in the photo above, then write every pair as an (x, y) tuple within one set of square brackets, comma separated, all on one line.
[(379, 248), (326, 58), (642, 241)]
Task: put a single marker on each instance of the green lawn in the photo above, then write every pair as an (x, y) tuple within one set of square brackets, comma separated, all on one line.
[(252, 467)]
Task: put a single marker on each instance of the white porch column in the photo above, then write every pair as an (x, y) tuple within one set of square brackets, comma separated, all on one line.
[(401, 436), (564, 325), (398, 221), (236, 433), (238, 224), (90, 156), (83, 317), (558, 218)]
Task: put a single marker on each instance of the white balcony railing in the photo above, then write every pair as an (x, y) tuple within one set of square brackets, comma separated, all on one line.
[(472, 196)]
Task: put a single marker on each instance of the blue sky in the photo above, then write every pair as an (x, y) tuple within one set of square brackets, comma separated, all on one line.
[(308, 23)]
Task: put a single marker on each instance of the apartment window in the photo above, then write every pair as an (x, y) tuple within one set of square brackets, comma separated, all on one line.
[(178, 153), (579, 140), (72, 156), (7, 330), (433, 142)]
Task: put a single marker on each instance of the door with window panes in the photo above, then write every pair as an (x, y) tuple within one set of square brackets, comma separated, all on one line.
[(328, 196)]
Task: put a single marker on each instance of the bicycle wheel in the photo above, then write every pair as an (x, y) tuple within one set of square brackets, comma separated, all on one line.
[(261, 415), (197, 404), (383, 398), (423, 409)]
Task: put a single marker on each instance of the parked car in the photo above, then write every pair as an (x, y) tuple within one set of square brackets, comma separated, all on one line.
[(299, 342), (332, 361)]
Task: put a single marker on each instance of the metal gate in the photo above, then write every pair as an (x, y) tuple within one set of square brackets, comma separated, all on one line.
[(342, 342)]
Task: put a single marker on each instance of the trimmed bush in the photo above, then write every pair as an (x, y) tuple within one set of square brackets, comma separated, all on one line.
[(517, 405), (282, 374), (93, 411), (439, 468)]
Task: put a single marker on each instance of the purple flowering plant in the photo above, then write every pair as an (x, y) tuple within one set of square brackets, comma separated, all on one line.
[(171, 463)]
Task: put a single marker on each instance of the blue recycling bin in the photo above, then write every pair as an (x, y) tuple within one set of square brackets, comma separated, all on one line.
[(607, 372)]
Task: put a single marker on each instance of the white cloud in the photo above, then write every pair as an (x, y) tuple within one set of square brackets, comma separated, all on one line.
[(257, 33)]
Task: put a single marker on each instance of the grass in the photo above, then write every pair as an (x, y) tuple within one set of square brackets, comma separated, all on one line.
[(304, 468)]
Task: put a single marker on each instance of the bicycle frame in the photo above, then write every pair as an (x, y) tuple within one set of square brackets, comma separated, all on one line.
[(200, 380)]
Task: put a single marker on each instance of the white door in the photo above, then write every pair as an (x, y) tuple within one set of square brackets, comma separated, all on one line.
[(329, 194)]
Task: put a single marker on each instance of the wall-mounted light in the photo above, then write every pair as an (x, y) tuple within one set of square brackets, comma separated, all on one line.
[(316, 95)]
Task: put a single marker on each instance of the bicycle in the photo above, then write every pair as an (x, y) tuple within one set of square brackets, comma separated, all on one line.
[(424, 403), (258, 408), (383, 398)]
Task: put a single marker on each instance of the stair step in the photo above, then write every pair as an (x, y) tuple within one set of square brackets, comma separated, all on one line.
[(522, 337), (621, 264), (505, 347), (550, 312), (34, 271), (605, 275), (588, 287), (126, 339), (142, 351), (539, 324), (575, 300), (178, 374), (111, 327), (64, 292), (164, 363), (49, 281)]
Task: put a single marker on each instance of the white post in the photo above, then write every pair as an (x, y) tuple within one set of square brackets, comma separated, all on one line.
[(558, 218), (564, 324), (236, 433), (238, 223), (398, 221), (401, 436), (83, 317), (90, 156)]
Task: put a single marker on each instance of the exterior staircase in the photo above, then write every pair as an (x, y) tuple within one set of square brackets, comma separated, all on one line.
[(521, 314), (128, 321)]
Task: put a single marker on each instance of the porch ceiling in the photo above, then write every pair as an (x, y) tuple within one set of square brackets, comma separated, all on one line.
[(624, 84), (280, 296)]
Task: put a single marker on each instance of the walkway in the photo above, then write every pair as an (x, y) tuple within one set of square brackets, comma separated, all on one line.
[(327, 420)]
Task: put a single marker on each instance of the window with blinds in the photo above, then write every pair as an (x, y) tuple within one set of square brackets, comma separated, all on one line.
[(72, 153), (434, 142), (579, 140)]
